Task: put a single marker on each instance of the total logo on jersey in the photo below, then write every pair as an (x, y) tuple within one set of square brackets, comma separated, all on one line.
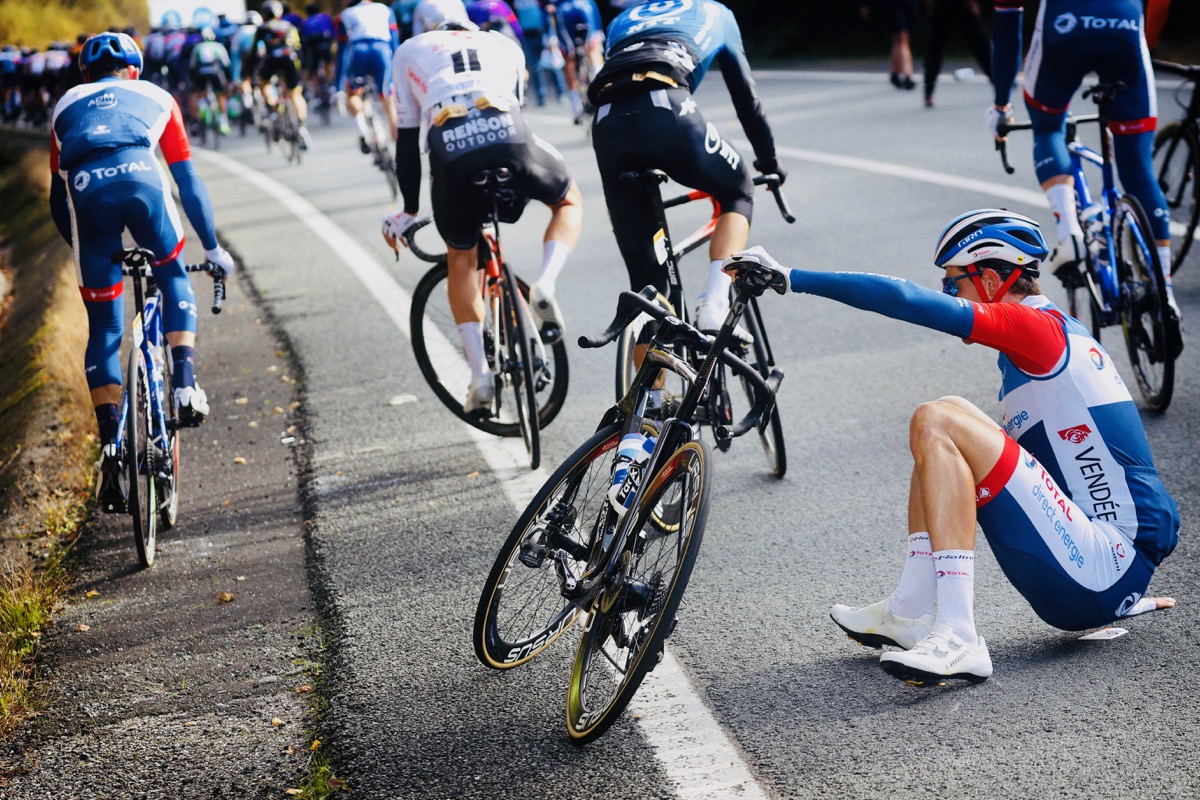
[(1097, 358), (83, 178), (1065, 23)]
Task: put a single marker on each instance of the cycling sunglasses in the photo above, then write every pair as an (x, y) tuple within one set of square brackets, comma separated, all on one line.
[(950, 285)]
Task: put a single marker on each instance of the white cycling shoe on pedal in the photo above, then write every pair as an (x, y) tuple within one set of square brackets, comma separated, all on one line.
[(546, 313), (1066, 262), (480, 395), (192, 403), (875, 625), (711, 316), (940, 656)]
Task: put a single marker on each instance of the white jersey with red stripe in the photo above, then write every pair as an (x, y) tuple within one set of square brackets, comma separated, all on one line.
[(93, 120), (437, 67)]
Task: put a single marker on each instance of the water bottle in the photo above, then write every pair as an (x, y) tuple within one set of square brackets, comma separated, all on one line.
[(632, 454)]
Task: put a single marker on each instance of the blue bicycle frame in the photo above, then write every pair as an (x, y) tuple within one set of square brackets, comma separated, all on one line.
[(148, 340)]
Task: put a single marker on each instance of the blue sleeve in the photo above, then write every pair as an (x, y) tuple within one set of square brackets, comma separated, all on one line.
[(1006, 49), (58, 206), (194, 196), (890, 296), (393, 28)]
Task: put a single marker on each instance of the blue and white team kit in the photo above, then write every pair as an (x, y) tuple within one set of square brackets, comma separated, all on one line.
[(1074, 510), (371, 35), (104, 135)]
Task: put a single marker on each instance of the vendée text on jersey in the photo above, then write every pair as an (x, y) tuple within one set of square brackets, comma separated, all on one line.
[(1091, 468)]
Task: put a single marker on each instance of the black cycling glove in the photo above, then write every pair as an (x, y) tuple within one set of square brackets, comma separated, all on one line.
[(771, 166)]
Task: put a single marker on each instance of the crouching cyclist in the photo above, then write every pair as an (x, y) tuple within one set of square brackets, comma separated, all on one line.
[(105, 179), (1065, 488), (448, 81)]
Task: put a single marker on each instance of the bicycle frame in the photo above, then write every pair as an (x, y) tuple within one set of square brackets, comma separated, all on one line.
[(148, 337), (1106, 294)]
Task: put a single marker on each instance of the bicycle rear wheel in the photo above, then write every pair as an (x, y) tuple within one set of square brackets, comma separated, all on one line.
[(1149, 336), (627, 627), (521, 611), (439, 353), (290, 134), (770, 433), (1177, 167), (517, 371), (143, 499)]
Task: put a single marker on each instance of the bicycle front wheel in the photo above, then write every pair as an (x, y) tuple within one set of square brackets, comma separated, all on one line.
[(627, 627), (1177, 168), (168, 481), (521, 611), (438, 349), (1149, 336), (139, 448)]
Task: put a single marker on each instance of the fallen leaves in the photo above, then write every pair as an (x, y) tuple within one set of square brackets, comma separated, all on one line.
[(226, 597), (83, 628), (92, 593), (239, 460), (304, 689), (293, 792), (241, 401), (316, 745), (276, 721)]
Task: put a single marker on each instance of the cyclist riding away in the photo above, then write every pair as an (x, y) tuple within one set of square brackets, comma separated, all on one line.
[(1064, 488), (646, 118), (105, 179), (579, 29), (371, 36), (428, 14), (281, 44), (1082, 36), (209, 66), (316, 37), (458, 96)]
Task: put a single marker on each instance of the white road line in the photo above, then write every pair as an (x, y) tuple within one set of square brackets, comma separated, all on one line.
[(693, 748)]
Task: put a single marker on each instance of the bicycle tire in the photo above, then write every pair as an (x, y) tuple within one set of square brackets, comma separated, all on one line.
[(1177, 168), (291, 134), (645, 604), (517, 374), (169, 489), (503, 642), (1144, 308), (771, 432), (143, 504), (439, 354)]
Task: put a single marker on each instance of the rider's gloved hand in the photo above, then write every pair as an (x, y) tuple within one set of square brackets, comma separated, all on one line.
[(394, 228), (994, 115), (220, 256), (771, 166), (780, 277)]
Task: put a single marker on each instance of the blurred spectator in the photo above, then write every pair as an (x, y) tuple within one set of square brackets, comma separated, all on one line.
[(897, 18), (943, 14)]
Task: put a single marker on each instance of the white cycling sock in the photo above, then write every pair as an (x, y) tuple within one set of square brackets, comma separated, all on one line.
[(1062, 203), (576, 104), (917, 591), (717, 291), (364, 130), (955, 572), (472, 339), (554, 256)]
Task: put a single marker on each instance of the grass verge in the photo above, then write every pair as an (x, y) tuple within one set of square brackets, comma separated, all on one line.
[(46, 443)]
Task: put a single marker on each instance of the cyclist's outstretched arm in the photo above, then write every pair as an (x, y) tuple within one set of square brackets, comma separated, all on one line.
[(1006, 49)]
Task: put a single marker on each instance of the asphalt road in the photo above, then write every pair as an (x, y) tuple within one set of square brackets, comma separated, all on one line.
[(407, 506)]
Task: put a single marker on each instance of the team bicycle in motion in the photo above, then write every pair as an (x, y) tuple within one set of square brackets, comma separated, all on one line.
[(612, 536)]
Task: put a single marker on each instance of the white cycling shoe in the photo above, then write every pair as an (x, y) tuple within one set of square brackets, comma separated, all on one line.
[(711, 316), (875, 625), (940, 656), (546, 313), (480, 395), (192, 403)]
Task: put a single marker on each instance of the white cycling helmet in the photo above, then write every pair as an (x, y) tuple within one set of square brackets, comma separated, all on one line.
[(253, 18), (429, 14), (1005, 240)]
